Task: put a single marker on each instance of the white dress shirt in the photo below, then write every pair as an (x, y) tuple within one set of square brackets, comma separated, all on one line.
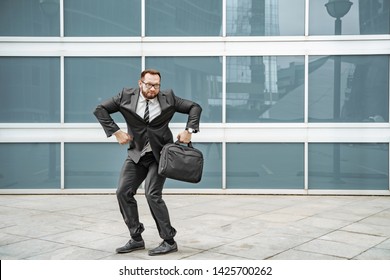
[(154, 107), (154, 111)]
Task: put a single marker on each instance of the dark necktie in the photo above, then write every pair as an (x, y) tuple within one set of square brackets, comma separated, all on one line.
[(146, 114), (146, 119)]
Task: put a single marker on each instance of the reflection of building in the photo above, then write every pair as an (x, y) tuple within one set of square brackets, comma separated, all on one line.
[(290, 77), (290, 83), (198, 18), (363, 103), (367, 91), (253, 17), (244, 77), (254, 81), (374, 16)]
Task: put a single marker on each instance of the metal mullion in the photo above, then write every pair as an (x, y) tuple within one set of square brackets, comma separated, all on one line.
[(306, 90), (143, 62), (62, 32), (307, 17), (224, 18), (224, 164), (62, 89), (306, 166), (306, 121), (62, 164), (143, 17), (62, 121), (224, 80)]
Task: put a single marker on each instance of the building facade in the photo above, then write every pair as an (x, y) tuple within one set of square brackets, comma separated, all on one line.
[(295, 93)]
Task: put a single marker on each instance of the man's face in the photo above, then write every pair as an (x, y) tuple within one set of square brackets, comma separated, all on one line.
[(150, 85)]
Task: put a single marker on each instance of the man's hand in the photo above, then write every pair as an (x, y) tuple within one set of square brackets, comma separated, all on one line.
[(184, 137), (122, 137)]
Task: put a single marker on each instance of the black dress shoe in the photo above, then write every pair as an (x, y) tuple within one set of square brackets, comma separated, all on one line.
[(131, 246), (163, 248)]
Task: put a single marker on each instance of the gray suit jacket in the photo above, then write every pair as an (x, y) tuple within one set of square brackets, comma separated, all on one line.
[(157, 130)]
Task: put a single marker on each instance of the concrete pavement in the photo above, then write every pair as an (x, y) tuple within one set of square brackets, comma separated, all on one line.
[(210, 227)]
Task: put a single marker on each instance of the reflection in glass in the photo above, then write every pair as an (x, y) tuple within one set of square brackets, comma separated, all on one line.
[(30, 89), (30, 166), (212, 169), (359, 166), (364, 17), (360, 93), (265, 89), (30, 18), (264, 166), (265, 17), (183, 17), (91, 80), (93, 165), (102, 18), (194, 78)]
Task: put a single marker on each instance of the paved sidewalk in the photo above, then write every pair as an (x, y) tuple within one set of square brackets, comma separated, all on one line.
[(210, 227)]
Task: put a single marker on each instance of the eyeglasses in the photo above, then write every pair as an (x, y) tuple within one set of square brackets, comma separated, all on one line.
[(149, 86)]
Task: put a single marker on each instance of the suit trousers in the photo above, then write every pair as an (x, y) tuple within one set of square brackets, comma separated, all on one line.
[(132, 175)]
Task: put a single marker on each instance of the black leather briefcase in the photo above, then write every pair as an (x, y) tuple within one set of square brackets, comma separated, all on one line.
[(181, 162)]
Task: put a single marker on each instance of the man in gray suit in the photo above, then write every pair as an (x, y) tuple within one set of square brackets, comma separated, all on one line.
[(147, 112)]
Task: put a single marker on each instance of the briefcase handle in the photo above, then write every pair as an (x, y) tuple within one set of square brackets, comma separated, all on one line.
[(180, 143)]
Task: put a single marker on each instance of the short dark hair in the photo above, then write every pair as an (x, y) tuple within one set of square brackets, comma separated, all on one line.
[(150, 71)]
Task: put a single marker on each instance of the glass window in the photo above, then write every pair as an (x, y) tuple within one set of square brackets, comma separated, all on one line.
[(265, 89), (264, 166), (93, 165), (349, 88), (357, 17), (212, 169), (349, 166), (102, 18), (195, 78), (183, 17), (265, 17), (29, 18), (30, 166), (30, 89), (91, 80)]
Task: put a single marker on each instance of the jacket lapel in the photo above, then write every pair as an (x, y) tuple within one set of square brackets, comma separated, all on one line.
[(162, 99), (134, 101)]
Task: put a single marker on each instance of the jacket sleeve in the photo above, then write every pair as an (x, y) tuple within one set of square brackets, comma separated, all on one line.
[(191, 108), (103, 114)]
